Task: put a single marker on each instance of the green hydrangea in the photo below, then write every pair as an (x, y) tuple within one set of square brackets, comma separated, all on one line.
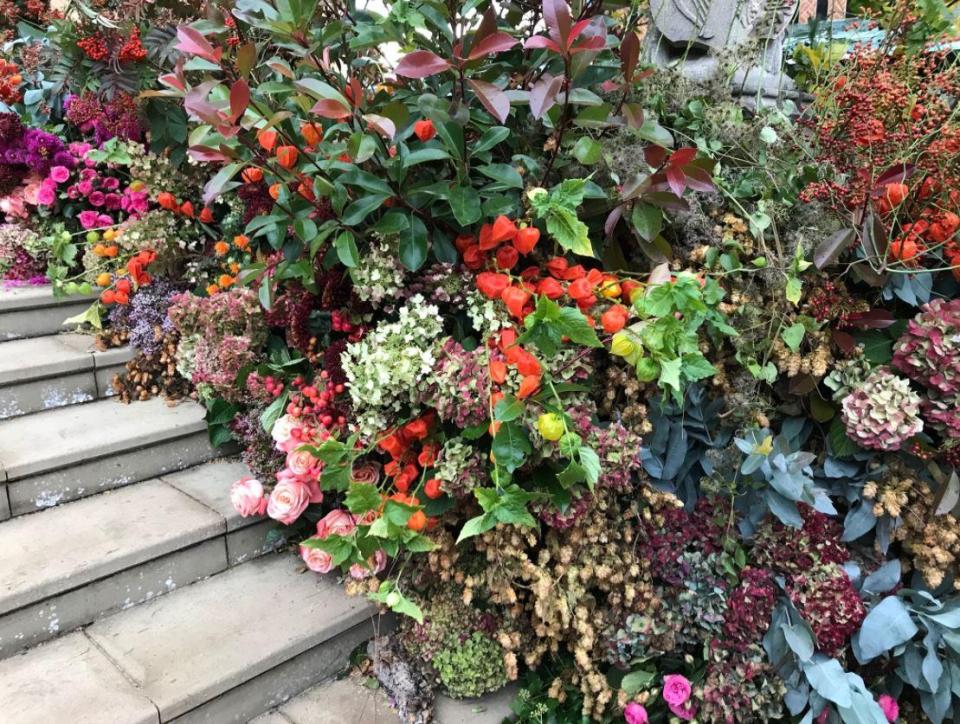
[(471, 668)]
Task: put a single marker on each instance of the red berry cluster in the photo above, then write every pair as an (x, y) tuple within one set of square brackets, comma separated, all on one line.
[(340, 322), (133, 50), (94, 46), (10, 80)]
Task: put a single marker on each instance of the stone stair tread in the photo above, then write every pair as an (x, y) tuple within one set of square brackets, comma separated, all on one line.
[(69, 680), (56, 438), (192, 645), (63, 548), (38, 357), (210, 484), (36, 297)]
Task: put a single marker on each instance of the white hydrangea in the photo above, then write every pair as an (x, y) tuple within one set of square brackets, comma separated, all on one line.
[(385, 369)]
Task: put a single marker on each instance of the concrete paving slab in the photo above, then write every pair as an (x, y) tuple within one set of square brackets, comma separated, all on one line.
[(189, 647), (69, 680)]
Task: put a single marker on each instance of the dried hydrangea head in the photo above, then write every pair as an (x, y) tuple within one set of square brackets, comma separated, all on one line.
[(883, 412), (929, 351)]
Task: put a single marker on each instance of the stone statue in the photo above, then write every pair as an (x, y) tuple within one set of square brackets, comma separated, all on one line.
[(743, 38)]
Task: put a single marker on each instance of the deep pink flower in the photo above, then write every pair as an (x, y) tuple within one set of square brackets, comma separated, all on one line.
[(891, 709), (97, 198), (104, 220), (635, 714), (685, 711), (85, 187), (112, 202), (88, 174), (73, 192), (88, 219), (46, 196), (110, 183), (676, 689), (89, 163), (59, 174)]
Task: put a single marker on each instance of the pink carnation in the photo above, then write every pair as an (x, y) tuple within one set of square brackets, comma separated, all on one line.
[(676, 689), (288, 500), (336, 522), (635, 714), (317, 560), (247, 497), (891, 709)]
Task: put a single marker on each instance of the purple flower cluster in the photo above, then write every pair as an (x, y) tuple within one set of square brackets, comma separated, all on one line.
[(145, 317), (117, 117)]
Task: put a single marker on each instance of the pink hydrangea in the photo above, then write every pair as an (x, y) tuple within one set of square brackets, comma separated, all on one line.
[(247, 497), (891, 709), (635, 714)]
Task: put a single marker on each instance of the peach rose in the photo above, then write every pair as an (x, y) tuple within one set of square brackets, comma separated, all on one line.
[(301, 462), (288, 500), (247, 497), (282, 429), (336, 522), (317, 560)]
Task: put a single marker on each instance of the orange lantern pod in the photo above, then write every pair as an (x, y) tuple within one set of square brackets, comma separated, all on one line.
[(287, 156), (312, 133), (267, 139), (252, 175)]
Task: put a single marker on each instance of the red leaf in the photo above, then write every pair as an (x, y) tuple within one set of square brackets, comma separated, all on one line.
[(494, 43), (192, 42), (612, 220), (592, 36), (872, 319), (543, 94), (676, 180), (356, 92), (541, 41), (629, 54), (492, 98), (682, 156), (196, 104), (655, 155), (173, 80), (328, 108), (239, 99), (844, 341), (699, 179), (421, 64), (207, 153), (898, 173), (557, 15), (382, 125), (488, 25)]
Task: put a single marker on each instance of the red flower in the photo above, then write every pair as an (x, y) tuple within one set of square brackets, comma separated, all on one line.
[(167, 200), (895, 193), (524, 361), (491, 285), (464, 242), (287, 156), (580, 289), (424, 130), (392, 445)]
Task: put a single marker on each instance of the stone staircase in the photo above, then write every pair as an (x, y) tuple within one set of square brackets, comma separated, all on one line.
[(130, 591)]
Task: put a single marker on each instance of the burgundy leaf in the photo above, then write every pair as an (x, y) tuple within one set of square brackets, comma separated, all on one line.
[(832, 247), (655, 155), (844, 341), (192, 42), (382, 125), (629, 54), (541, 41), (557, 15), (666, 200), (636, 186), (613, 218), (207, 153), (492, 98), (543, 94), (676, 179), (593, 36), (173, 80), (682, 156), (699, 179), (196, 104), (494, 43), (328, 108), (610, 85), (421, 64), (239, 99), (488, 25), (895, 174), (871, 319)]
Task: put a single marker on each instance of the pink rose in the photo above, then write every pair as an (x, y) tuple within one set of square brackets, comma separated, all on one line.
[(104, 220), (59, 174), (88, 219), (316, 494), (73, 192), (336, 522), (318, 561), (88, 174), (367, 473), (112, 202), (46, 196), (283, 429), (301, 462), (891, 709), (97, 198), (683, 711), (247, 497), (287, 501), (635, 714), (110, 183), (375, 564), (676, 689), (85, 187)]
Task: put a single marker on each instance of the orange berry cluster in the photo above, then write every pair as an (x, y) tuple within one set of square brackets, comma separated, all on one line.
[(10, 80)]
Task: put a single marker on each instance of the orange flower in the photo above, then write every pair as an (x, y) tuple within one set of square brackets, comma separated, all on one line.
[(103, 279), (241, 241), (111, 251), (107, 296), (167, 200), (305, 189), (212, 289), (267, 139), (252, 175), (234, 267), (221, 248), (287, 156), (225, 281)]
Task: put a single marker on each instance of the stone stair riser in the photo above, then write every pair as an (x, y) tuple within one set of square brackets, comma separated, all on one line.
[(38, 322), (37, 395)]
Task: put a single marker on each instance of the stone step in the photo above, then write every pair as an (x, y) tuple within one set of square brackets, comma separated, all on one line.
[(221, 650), (64, 567), (55, 456), (42, 373), (35, 312), (347, 701)]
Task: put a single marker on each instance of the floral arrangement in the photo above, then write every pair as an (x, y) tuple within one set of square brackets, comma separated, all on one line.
[(600, 382)]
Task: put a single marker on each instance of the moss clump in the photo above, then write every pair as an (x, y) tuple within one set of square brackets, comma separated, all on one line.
[(472, 668)]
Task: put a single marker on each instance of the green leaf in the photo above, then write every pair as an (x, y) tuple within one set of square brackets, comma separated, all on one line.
[(828, 679), (508, 409), (365, 180), (347, 250), (573, 324), (647, 220), (273, 412), (567, 229), (361, 208), (504, 173), (423, 155), (793, 335), (670, 377), (490, 138), (794, 290), (465, 204), (393, 222), (696, 367), (362, 498), (587, 151), (591, 464), (768, 135), (413, 244), (511, 446), (476, 526), (91, 316), (637, 681), (888, 624)]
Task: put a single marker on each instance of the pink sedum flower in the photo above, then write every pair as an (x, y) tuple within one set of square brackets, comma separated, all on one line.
[(635, 714), (247, 497), (288, 500), (891, 709), (318, 561), (336, 522), (676, 689)]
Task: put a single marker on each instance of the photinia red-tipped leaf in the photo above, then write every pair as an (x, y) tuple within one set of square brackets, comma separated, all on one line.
[(629, 54), (543, 94), (655, 155), (328, 108), (590, 35), (492, 98), (699, 179), (382, 125), (421, 64), (494, 43), (682, 156), (239, 99), (192, 42), (676, 180), (541, 41), (556, 13)]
